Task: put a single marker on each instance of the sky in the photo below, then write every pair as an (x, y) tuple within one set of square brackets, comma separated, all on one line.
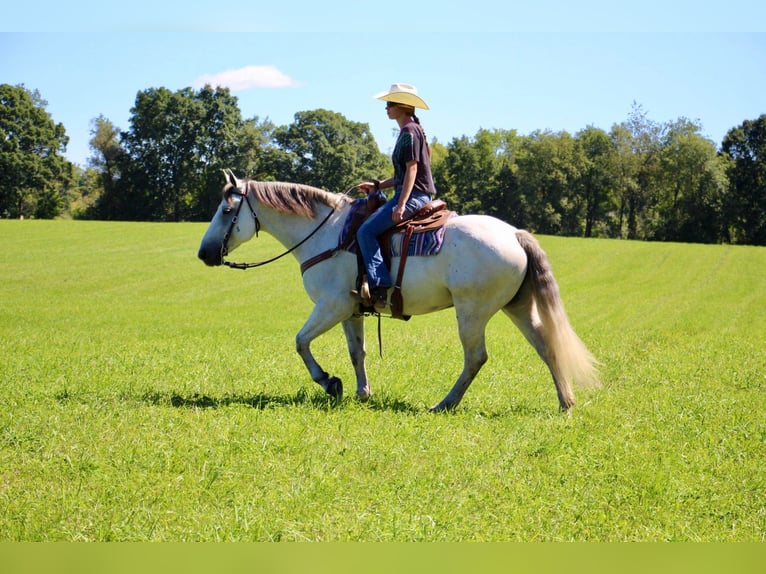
[(482, 64)]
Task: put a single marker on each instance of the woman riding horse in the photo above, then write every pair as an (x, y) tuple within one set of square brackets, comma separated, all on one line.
[(412, 181)]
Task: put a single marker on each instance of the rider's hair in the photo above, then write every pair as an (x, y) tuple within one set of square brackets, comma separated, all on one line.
[(417, 121)]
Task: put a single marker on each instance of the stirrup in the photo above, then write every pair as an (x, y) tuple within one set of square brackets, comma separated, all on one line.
[(379, 299)]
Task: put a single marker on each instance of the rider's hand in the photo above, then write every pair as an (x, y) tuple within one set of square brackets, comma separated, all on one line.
[(398, 214), (366, 187)]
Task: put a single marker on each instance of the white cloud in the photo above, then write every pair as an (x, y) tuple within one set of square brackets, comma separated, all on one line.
[(247, 78)]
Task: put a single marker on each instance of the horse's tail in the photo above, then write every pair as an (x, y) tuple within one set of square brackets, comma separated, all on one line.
[(568, 357)]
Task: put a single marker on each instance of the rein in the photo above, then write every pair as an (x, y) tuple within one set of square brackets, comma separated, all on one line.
[(246, 198)]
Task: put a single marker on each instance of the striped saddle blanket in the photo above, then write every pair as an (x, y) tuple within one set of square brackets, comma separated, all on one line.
[(422, 242)]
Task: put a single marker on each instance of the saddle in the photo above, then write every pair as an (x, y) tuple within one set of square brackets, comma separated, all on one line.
[(430, 217)]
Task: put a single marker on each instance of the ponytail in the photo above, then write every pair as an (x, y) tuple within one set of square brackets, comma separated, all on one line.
[(425, 139)]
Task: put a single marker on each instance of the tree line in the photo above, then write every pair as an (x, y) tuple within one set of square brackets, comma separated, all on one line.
[(639, 180)]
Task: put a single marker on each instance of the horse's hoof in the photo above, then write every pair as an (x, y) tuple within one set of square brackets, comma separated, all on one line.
[(334, 387), (442, 407), (363, 395)]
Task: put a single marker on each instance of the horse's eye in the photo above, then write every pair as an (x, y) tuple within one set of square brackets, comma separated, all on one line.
[(226, 210)]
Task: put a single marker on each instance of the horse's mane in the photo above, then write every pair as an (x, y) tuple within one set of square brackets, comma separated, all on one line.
[(293, 198)]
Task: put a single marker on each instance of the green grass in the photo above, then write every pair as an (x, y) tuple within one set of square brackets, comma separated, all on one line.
[(147, 397)]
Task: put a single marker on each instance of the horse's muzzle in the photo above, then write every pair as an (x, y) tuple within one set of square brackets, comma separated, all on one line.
[(211, 257)]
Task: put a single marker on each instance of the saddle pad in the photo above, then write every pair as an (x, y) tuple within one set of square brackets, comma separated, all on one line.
[(426, 243), (355, 218)]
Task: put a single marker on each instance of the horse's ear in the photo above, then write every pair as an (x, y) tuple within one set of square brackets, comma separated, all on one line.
[(230, 177)]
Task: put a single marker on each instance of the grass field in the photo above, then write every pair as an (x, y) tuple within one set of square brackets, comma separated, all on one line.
[(147, 397)]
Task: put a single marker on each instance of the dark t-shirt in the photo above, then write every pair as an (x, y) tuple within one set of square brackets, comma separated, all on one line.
[(411, 145)]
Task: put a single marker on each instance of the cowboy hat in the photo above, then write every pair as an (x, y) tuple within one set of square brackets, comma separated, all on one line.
[(406, 94)]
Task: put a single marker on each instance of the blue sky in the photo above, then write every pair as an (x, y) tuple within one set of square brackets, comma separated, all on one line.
[(479, 64)]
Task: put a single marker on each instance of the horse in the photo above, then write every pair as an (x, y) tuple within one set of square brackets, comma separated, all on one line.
[(485, 265)]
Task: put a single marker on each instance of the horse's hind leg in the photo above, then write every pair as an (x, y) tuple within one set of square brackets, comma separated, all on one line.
[(523, 312), (354, 330), (472, 324)]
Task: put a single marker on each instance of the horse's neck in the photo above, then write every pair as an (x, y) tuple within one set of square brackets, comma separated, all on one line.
[(291, 229)]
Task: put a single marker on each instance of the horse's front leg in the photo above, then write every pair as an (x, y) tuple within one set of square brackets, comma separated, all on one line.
[(354, 330), (322, 319)]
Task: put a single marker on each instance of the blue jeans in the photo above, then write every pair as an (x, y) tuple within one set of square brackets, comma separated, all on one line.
[(367, 236)]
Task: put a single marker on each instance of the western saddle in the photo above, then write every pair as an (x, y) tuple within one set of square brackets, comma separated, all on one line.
[(430, 217)]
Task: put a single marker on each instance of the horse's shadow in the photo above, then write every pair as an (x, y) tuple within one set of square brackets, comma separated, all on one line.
[(263, 401), (319, 401)]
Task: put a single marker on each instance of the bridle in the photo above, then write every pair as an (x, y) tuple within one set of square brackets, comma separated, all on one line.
[(245, 198)]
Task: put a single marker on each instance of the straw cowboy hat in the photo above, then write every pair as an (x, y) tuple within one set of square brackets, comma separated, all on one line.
[(403, 94)]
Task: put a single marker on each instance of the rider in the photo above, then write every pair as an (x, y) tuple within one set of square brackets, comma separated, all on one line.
[(412, 182)]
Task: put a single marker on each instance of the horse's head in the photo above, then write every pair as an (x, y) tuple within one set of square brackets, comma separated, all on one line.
[(234, 222)]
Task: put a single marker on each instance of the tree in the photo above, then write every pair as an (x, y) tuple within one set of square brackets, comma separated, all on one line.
[(105, 145), (598, 179), (228, 142), (107, 159), (86, 191), (638, 143), (326, 150), (476, 173), (439, 155), (549, 169), (745, 146), (162, 146), (177, 144), (691, 186), (34, 176)]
